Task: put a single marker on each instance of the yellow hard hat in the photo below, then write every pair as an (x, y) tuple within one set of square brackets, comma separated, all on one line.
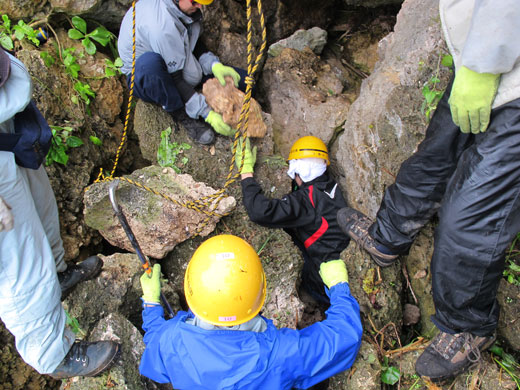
[(225, 283), (309, 146), (204, 2)]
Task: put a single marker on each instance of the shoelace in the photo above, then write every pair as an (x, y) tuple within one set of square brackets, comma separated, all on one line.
[(78, 352), (448, 345)]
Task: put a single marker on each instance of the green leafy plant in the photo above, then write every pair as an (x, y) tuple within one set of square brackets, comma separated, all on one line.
[(168, 152), (84, 91), (431, 91), (5, 33), (512, 270), (19, 31), (61, 141), (79, 32), (73, 324), (113, 68), (389, 374), (95, 140), (507, 362)]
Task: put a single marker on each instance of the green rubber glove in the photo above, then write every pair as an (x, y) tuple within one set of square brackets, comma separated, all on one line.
[(215, 120), (249, 157), (220, 71), (333, 272), (152, 285), (471, 98)]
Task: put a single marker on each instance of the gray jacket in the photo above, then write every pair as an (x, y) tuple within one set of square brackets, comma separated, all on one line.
[(161, 27), (484, 36)]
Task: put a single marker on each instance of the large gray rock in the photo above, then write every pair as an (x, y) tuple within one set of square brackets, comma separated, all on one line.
[(385, 123), (115, 290), (377, 290), (158, 222), (108, 13), (298, 88), (314, 38)]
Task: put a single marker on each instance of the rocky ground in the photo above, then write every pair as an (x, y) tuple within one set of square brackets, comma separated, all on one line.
[(361, 94)]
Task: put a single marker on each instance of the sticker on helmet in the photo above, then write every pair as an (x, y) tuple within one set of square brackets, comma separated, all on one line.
[(225, 255), (227, 319)]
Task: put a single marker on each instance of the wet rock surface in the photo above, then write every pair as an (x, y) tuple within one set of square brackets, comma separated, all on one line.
[(160, 219)]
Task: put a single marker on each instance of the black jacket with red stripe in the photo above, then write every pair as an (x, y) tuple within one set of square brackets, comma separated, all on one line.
[(308, 215)]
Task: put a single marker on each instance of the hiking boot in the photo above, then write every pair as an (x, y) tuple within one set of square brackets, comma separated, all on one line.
[(87, 359), (77, 273), (449, 355), (197, 130), (355, 224)]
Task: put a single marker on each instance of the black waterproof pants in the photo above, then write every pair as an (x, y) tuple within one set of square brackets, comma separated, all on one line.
[(473, 182)]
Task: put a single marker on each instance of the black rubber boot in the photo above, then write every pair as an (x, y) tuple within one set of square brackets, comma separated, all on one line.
[(197, 130), (87, 359), (77, 273)]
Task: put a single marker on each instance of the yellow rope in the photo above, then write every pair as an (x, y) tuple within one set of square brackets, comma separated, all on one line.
[(207, 204)]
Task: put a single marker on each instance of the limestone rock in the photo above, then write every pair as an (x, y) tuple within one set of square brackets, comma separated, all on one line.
[(157, 223), (314, 38), (299, 104), (385, 123), (227, 100), (376, 289), (365, 373), (124, 374), (509, 326), (115, 289)]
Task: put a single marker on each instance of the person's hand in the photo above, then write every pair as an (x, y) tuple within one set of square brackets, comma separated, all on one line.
[(471, 98), (151, 285), (249, 157), (6, 217), (221, 71), (215, 120), (333, 272)]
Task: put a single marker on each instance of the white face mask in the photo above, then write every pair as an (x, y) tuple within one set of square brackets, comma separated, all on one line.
[(307, 168), (16, 93)]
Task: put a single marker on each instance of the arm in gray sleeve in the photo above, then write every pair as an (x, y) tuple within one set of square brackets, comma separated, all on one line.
[(197, 106), (493, 41)]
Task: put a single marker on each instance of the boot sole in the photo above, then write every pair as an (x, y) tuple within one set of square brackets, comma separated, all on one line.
[(115, 357)]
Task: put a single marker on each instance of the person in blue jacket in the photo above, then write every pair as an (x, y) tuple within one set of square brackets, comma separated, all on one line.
[(223, 342)]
